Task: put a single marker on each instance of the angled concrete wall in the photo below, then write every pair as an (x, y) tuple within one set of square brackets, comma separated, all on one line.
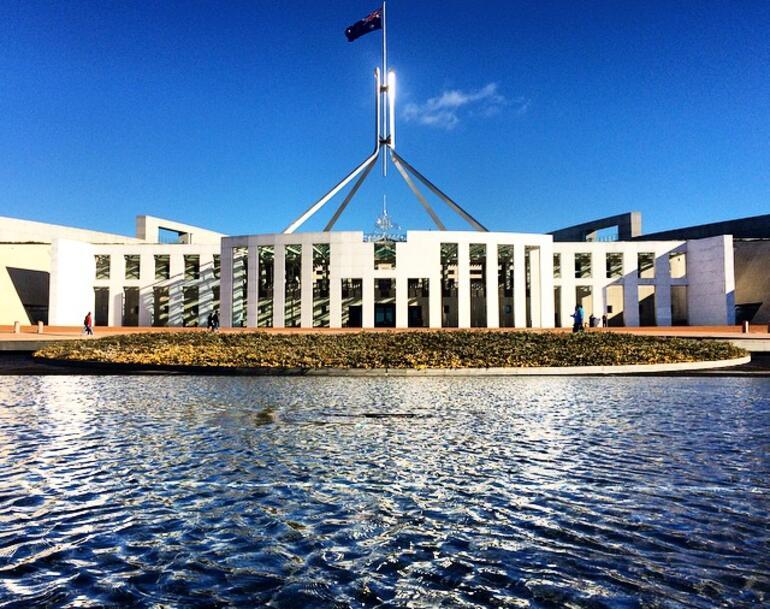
[(30, 257), (711, 293)]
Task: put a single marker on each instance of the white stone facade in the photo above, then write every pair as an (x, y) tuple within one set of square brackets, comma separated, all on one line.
[(702, 283), (74, 283), (482, 279)]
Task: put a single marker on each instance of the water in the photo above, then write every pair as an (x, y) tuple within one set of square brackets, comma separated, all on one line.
[(215, 492)]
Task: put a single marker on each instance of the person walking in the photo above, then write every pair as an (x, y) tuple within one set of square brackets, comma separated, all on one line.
[(215, 321), (87, 325), (577, 316), (210, 321)]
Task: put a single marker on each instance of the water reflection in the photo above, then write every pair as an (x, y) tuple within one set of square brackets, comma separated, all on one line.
[(164, 491)]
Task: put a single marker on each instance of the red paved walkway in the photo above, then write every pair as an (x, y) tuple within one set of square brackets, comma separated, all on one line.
[(70, 332)]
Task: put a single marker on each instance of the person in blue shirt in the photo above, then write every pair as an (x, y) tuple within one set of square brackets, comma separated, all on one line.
[(577, 326)]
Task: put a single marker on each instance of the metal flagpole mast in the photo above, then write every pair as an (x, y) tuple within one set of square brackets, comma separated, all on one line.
[(385, 99)]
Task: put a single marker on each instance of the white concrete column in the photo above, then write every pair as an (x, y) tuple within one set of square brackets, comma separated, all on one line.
[(567, 303), (662, 304), (662, 289), (630, 289), (205, 300), (519, 287), (402, 301), (535, 292), (118, 269), (116, 306), (306, 305), (226, 286), (367, 300), (279, 287), (175, 294), (252, 285), (434, 300), (493, 304), (545, 271), (147, 275), (463, 286), (335, 300), (597, 293)]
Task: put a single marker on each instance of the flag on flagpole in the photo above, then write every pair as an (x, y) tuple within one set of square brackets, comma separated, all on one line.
[(368, 24)]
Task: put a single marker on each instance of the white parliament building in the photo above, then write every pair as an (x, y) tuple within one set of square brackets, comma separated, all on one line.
[(173, 274)]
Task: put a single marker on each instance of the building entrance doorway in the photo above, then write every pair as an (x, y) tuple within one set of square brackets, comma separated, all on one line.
[(385, 315), (101, 306), (131, 306), (415, 317), (355, 317)]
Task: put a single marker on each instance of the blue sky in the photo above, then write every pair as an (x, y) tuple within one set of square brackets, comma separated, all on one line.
[(238, 115)]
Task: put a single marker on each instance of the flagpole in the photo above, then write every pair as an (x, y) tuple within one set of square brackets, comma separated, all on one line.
[(385, 94)]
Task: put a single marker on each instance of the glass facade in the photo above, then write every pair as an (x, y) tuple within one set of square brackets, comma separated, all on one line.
[(192, 266), (321, 263), (190, 310), (102, 266), (477, 253), (646, 266), (449, 313), (384, 255), (505, 285), (132, 266), (160, 306), (266, 262), (240, 285), (293, 283), (384, 303), (352, 303), (162, 266), (418, 303), (582, 266), (614, 265)]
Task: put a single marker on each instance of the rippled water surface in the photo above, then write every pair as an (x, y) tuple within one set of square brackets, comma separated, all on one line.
[(217, 492)]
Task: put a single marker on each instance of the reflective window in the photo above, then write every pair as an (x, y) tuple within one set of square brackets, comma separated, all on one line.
[(162, 266), (132, 266), (614, 265), (646, 265), (192, 266), (103, 266), (384, 255), (582, 266), (557, 266)]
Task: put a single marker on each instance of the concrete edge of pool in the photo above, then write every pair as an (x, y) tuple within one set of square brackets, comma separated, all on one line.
[(633, 369)]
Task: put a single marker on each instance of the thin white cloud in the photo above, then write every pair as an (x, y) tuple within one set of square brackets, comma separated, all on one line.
[(446, 110)]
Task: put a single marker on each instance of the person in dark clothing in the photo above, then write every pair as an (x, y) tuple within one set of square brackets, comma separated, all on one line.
[(215, 321)]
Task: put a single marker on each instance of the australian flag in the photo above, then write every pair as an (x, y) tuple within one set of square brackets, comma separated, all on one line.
[(366, 25)]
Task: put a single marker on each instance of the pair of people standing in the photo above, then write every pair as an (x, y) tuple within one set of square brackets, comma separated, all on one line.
[(213, 321)]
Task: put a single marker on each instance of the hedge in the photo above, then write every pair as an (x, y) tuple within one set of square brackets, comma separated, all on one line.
[(425, 349)]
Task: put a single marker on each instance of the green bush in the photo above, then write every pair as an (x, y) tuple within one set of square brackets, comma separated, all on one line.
[(425, 349)]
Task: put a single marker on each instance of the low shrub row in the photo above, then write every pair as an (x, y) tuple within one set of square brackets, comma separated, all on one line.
[(428, 349)]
